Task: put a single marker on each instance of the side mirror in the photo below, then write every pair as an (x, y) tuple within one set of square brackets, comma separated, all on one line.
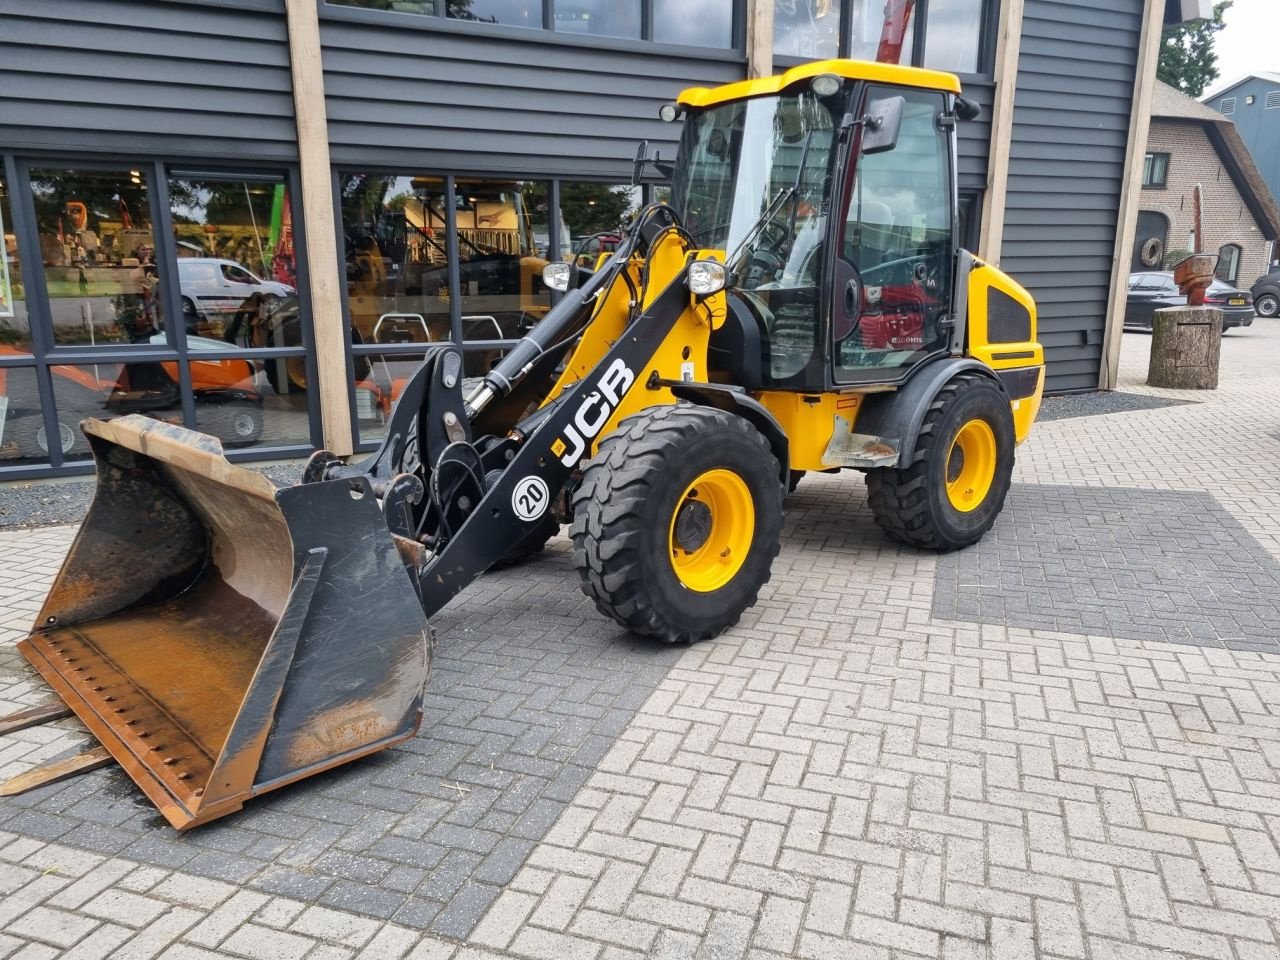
[(882, 124), (665, 171), (967, 110)]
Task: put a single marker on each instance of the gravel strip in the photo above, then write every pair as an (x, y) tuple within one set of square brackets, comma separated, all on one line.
[(44, 503), (1099, 403)]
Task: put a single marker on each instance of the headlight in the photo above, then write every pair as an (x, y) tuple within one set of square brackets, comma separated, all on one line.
[(707, 277), (557, 276), (669, 112), (825, 85)]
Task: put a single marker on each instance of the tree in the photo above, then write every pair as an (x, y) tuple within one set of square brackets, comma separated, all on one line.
[(589, 208), (1187, 60)]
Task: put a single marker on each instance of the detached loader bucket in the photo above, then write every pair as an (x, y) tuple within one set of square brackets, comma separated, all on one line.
[(221, 637)]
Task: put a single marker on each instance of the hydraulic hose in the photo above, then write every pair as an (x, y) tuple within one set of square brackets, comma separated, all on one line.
[(566, 317)]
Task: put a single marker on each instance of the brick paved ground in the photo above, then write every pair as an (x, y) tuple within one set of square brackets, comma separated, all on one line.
[(881, 761)]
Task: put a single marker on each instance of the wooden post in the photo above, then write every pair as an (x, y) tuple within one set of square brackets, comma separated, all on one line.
[(1008, 47), (759, 39), (1130, 191), (1186, 345), (319, 219)]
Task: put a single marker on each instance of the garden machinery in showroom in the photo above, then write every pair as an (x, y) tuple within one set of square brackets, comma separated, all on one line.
[(801, 304)]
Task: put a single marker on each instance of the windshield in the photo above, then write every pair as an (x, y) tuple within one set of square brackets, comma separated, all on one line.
[(739, 159), (753, 179)]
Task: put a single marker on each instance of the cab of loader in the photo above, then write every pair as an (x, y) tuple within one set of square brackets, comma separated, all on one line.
[(850, 279)]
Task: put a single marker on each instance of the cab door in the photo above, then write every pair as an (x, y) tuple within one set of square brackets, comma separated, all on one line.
[(891, 305)]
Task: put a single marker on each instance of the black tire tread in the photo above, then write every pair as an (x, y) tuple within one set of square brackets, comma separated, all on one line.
[(607, 520), (898, 496)]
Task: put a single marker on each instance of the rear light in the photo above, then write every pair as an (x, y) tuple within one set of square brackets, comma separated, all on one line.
[(1215, 299)]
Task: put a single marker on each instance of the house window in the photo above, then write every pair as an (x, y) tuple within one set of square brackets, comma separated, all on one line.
[(1273, 100), (692, 23), (939, 34), (1155, 170), (1228, 263), (514, 13), (1228, 105)]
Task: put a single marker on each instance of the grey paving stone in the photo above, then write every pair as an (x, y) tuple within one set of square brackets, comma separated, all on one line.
[(528, 690), (1143, 564)]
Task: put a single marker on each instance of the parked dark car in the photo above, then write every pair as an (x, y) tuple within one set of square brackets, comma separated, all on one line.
[(1266, 294), (1149, 292)]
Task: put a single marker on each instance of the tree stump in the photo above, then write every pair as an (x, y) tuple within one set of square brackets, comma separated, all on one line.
[(1186, 344)]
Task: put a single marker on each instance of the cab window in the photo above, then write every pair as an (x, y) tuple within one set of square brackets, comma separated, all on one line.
[(893, 268), (237, 274)]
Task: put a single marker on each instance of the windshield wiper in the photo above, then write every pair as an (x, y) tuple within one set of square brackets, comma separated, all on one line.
[(795, 188), (756, 228)]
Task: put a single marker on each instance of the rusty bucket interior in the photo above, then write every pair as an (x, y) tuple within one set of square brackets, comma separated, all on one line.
[(222, 637)]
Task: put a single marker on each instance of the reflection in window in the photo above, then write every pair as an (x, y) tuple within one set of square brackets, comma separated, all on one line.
[(23, 438), (107, 390), (694, 23), (98, 250), (236, 259), (398, 6), (870, 38), (503, 295), (15, 329), (515, 13), (953, 34), (397, 268), (379, 380), (807, 28), (246, 403), (594, 215), (598, 18)]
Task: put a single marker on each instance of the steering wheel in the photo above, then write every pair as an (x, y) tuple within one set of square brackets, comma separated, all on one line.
[(768, 254)]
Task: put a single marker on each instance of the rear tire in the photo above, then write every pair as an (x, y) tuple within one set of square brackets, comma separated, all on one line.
[(1267, 305), (958, 479), (677, 521)]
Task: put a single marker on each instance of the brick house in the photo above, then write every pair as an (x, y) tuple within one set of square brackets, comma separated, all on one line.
[(1191, 144)]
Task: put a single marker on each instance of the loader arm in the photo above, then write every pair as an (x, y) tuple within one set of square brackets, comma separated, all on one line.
[(537, 473)]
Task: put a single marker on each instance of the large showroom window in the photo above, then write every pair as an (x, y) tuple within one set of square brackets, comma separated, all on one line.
[(21, 420), (141, 289)]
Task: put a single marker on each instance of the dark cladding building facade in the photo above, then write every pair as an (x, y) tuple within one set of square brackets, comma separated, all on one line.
[(152, 188)]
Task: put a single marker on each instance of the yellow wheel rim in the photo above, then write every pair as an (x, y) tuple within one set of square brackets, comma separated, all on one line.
[(971, 466), (711, 530)]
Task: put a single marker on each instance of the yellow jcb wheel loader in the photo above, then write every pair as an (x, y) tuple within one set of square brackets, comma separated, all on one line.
[(801, 304)]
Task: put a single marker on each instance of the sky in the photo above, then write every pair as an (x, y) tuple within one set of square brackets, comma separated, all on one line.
[(1248, 43)]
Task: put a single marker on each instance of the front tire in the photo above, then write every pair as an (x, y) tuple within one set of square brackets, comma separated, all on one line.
[(954, 488), (677, 521), (1267, 305)]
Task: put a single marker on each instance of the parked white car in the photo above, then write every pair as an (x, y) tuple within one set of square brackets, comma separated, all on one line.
[(214, 288)]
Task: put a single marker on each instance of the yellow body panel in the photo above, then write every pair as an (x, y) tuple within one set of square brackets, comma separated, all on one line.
[(809, 420), (1013, 355), (886, 73), (682, 356)]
